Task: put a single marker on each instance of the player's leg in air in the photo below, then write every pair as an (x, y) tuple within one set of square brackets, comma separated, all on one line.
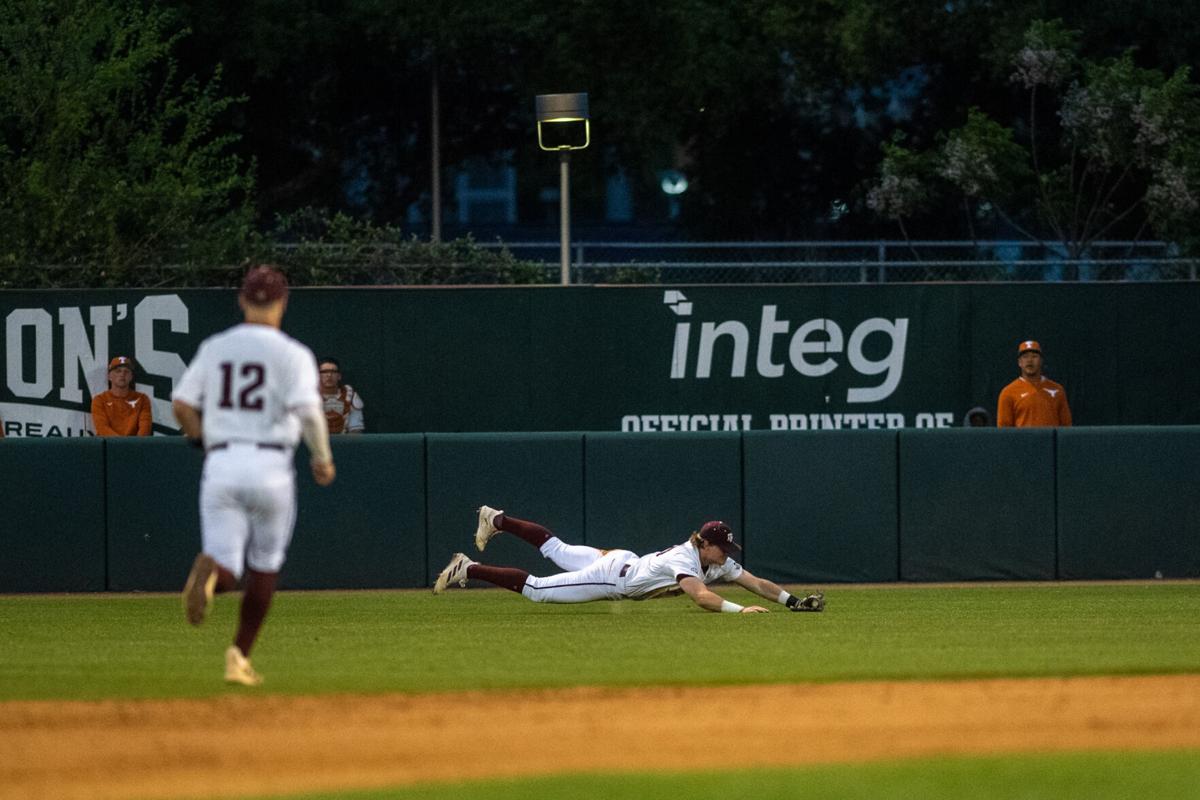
[(206, 578), (586, 570), (224, 530), (568, 557)]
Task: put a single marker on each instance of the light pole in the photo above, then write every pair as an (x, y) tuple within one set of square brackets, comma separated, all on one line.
[(563, 125)]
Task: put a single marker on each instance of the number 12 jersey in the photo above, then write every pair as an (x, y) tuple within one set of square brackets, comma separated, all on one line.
[(247, 381)]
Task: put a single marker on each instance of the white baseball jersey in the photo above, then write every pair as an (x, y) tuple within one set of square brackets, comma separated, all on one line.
[(616, 574), (246, 381), (659, 573)]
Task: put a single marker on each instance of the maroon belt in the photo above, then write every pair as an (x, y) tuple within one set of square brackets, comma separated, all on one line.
[(625, 569), (259, 445)]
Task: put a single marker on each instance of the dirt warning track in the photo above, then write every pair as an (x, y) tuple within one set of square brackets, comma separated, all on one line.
[(248, 743)]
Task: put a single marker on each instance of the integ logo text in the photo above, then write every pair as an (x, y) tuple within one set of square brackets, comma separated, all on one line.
[(810, 348)]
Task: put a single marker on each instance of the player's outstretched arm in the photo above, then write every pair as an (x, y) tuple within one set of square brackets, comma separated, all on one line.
[(711, 601), (774, 592), (762, 587)]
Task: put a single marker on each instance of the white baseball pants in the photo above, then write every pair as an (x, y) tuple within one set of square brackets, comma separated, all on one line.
[(593, 574), (247, 507)]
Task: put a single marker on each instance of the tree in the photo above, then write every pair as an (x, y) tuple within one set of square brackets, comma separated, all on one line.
[(107, 157), (1105, 150)]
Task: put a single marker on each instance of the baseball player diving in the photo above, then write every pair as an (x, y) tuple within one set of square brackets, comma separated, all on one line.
[(593, 574), (248, 396)]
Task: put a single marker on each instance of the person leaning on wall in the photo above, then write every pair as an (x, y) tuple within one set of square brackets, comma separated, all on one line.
[(343, 406), (121, 410), (1032, 400)]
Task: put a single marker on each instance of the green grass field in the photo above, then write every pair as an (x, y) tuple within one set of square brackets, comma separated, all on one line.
[(100, 646), (1087, 776), (138, 646)]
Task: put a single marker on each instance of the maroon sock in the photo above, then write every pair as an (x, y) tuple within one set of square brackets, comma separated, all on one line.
[(225, 581), (531, 532), (505, 577), (256, 600)]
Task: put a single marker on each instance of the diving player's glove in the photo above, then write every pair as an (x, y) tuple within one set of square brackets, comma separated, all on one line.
[(814, 602)]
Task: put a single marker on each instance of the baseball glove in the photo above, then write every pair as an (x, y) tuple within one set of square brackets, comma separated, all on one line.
[(814, 602)]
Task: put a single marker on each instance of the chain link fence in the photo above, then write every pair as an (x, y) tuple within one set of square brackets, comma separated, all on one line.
[(855, 262), (466, 262)]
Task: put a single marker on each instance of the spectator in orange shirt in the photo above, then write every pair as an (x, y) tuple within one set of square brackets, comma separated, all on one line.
[(121, 411), (1032, 400)]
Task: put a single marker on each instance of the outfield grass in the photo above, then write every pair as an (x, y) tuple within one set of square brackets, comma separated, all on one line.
[(101, 646), (1087, 776)]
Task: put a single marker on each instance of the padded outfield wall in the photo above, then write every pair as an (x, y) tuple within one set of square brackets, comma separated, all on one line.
[(639, 359), (809, 507)]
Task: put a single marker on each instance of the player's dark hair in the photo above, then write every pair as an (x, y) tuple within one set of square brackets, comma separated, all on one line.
[(333, 361), (263, 285)]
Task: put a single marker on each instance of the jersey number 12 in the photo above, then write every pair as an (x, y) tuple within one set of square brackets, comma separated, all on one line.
[(249, 398)]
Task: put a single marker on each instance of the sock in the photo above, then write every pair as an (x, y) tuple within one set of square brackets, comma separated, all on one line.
[(531, 532), (256, 600), (505, 577), (226, 582)]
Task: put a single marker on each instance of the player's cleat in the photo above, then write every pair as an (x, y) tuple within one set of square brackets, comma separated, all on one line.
[(455, 572), (198, 591), (486, 530), (238, 669), (814, 602)]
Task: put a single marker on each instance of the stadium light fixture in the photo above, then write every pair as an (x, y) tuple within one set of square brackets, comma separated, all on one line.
[(563, 125)]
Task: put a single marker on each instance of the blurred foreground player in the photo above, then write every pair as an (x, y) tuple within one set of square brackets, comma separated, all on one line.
[(247, 397)]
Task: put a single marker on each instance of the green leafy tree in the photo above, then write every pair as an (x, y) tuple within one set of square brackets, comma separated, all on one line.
[(109, 160), (1105, 150)]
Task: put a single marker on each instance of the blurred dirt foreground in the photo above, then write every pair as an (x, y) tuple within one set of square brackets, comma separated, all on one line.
[(249, 742)]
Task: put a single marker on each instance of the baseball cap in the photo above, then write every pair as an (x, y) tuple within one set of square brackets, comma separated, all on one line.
[(1027, 345), (718, 533), (264, 284), (120, 361)]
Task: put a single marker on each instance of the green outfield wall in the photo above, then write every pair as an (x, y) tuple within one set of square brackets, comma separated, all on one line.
[(809, 507), (638, 359), (53, 526), (977, 505), (822, 505)]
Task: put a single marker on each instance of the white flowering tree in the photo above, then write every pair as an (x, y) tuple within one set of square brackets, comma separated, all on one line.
[(1120, 157)]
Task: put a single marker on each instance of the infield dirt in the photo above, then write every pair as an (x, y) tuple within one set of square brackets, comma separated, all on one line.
[(248, 742)]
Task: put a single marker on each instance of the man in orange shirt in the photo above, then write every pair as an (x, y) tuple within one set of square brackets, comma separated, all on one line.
[(1032, 400), (121, 411)]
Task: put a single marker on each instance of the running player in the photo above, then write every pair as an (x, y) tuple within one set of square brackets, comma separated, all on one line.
[(593, 574), (247, 397)]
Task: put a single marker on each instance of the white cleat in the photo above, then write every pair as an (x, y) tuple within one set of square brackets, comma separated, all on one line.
[(238, 669), (486, 530), (455, 572), (198, 591)]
